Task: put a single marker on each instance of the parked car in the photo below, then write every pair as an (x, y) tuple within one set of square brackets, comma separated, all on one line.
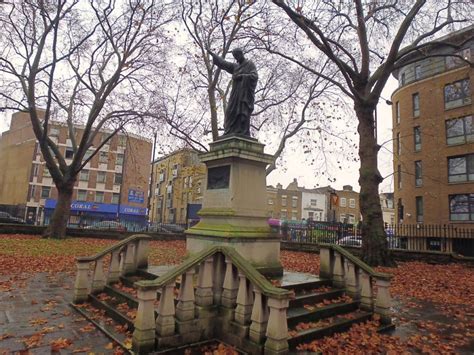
[(8, 218), (108, 225), (351, 241)]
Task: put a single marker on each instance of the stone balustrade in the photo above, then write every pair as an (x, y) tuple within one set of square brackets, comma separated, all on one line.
[(125, 258), (360, 281), (221, 295)]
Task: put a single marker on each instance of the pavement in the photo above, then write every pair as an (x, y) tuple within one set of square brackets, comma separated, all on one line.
[(35, 318)]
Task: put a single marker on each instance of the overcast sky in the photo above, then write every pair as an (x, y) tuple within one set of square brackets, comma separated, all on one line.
[(297, 168)]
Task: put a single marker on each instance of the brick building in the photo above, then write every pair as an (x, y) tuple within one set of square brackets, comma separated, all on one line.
[(114, 184), (433, 134), (346, 205), (284, 203), (177, 184)]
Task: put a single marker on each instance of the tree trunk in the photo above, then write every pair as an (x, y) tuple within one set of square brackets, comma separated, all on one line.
[(212, 103), (374, 240), (58, 223)]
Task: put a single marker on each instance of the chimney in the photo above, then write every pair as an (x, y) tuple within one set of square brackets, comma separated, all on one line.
[(347, 188)]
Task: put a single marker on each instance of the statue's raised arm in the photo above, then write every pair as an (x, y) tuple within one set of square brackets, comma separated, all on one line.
[(242, 97)]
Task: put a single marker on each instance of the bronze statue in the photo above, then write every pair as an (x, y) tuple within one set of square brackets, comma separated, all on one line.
[(242, 97)]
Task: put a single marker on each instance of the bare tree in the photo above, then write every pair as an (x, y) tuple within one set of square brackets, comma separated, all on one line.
[(363, 41), (285, 97), (86, 63)]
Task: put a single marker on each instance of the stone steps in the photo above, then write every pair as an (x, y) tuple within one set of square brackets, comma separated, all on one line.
[(316, 310)]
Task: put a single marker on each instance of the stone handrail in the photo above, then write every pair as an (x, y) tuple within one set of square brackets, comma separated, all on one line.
[(229, 299), (347, 271), (125, 258)]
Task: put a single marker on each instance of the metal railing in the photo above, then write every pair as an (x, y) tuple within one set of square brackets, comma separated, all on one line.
[(418, 237)]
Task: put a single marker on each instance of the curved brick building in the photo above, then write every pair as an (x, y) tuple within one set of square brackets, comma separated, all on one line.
[(433, 134)]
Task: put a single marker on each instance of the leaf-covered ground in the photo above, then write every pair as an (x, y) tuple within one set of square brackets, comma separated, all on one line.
[(434, 304)]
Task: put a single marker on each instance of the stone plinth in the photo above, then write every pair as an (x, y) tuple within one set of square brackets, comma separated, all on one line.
[(234, 208)]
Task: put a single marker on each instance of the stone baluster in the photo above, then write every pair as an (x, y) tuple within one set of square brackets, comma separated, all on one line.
[(325, 270), (98, 277), (114, 268), (204, 295), (81, 284), (338, 273), (366, 295), (185, 306), (229, 292), (142, 254), (383, 300), (243, 311), (352, 284), (129, 260), (259, 317), (277, 328), (143, 340), (218, 277), (165, 322)]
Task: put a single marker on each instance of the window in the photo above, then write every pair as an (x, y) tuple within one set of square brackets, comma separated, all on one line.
[(46, 172), (417, 72), (453, 62), (81, 195), (283, 214), (270, 201), (84, 175), (283, 200), (69, 153), (103, 138), (397, 111), (35, 169), (162, 176), (343, 202), (310, 215), (416, 104), (294, 216), (99, 197), (88, 154), (399, 176), (351, 218), (352, 203), (461, 168), (342, 218), (103, 157), (399, 145), (101, 176), (122, 141), (461, 207), (54, 132), (32, 191), (457, 94), (118, 179), (294, 202), (115, 198), (418, 173), (460, 130), (45, 190), (119, 159), (417, 138), (402, 81), (314, 202), (419, 209)]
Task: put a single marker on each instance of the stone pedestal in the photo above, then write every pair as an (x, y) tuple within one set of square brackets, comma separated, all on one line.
[(234, 209)]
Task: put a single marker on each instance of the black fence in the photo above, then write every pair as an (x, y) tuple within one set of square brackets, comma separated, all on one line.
[(418, 237)]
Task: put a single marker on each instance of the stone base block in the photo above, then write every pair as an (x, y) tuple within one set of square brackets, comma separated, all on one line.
[(242, 331), (169, 341), (262, 252)]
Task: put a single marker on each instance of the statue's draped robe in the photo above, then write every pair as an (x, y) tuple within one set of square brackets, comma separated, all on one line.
[(241, 101)]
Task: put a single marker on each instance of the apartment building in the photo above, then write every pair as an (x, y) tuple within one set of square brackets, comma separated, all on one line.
[(433, 133), (177, 186), (113, 185)]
